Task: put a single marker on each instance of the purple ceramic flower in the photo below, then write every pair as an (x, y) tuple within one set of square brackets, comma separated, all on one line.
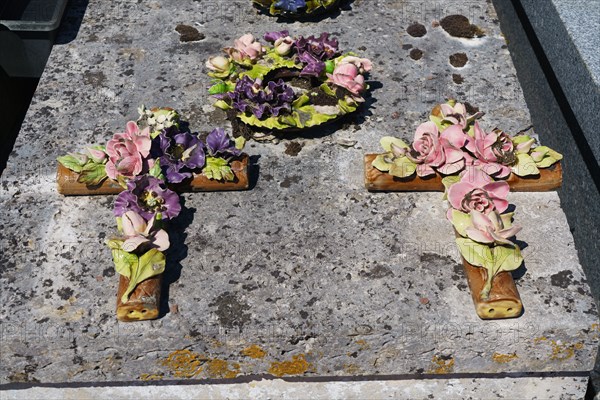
[(218, 142), (313, 52), (180, 153), (273, 36), (148, 196), (250, 96), (290, 5)]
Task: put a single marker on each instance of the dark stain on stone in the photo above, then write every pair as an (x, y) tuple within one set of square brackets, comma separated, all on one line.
[(303, 314), (407, 46), (376, 272), (460, 26), (562, 279), (458, 60), (287, 182), (188, 33), (47, 283), (267, 177), (95, 79), (433, 258), (108, 272), (293, 148), (416, 54), (231, 311), (65, 293), (416, 30), (458, 79)]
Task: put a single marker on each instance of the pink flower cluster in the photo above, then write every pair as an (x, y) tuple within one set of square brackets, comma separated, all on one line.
[(484, 199), (127, 151), (245, 48), (349, 74), (447, 147)]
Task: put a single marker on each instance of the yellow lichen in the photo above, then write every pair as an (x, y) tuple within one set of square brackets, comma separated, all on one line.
[(184, 363), (297, 366), (504, 358), (565, 351), (220, 369), (363, 344), (254, 351), (351, 369), (442, 365), (150, 377)]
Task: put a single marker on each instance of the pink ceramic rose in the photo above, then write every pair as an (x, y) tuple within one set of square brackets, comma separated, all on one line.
[(453, 139), (494, 151), (126, 152), (347, 75), (490, 228), (363, 64), (138, 233), (245, 48), (427, 150), (476, 191)]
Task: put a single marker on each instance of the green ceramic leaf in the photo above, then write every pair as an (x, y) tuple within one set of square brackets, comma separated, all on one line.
[(156, 170), (525, 166), (92, 174), (70, 162), (381, 164), (507, 219), (518, 139), (222, 105), (506, 258), (402, 167), (218, 88), (125, 263), (461, 221), (152, 263), (475, 253), (448, 181), (240, 142), (347, 106), (218, 168), (257, 71), (301, 101), (281, 61), (387, 141), (327, 89)]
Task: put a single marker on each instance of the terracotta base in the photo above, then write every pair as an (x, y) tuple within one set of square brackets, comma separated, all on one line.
[(504, 300), (144, 301), (375, 180), (67, 184)]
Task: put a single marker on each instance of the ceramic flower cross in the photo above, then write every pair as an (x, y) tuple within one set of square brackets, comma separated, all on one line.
[(150, 157), (477, 169)]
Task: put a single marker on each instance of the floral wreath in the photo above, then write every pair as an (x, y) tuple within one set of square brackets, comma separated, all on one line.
[(475, 165), (295, 8), (290, 84), (149, 159)]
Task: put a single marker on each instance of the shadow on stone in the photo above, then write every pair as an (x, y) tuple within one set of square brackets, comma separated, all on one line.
[(176, 253), (71, 21)]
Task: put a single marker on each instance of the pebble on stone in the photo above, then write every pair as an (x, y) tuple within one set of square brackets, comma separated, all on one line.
[(188, 33), (459, 26), (458, 60), (416, 30), (416, 54)]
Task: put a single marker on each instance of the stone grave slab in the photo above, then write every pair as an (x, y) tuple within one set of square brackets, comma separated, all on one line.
[(307, 275)]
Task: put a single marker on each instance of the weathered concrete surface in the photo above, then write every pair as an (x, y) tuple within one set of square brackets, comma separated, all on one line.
[(323, 277), (526, 388), (551, 114)]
